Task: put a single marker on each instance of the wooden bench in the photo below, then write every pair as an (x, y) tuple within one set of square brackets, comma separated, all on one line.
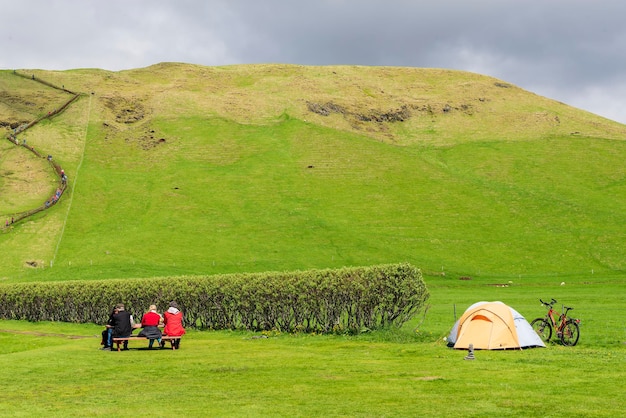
[(171, 339)]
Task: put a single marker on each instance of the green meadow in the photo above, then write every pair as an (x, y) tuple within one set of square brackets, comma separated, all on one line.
[(56, 369), (179, 169)]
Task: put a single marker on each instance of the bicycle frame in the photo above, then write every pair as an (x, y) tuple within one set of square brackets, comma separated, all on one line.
[(559, 323)]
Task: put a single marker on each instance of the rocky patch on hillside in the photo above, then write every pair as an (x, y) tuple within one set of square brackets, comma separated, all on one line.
[(373, 115), (125, 113), (125, 110), (12, 124), (400, 114)]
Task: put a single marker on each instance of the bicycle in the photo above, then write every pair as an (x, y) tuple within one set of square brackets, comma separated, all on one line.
[(567, 329)]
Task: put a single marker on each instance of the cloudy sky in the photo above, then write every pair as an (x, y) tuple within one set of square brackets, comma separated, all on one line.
[(573, 51)]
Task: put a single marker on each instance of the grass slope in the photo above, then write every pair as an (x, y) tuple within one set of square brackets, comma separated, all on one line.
[(182, 169)]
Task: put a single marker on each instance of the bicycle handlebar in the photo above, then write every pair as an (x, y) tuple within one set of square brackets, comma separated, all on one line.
[(552, 302), (548, 303)]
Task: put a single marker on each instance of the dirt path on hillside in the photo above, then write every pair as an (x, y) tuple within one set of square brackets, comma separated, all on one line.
[(13, 137)]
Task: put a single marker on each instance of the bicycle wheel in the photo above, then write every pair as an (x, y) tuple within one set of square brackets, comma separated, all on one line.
[(570, 333), (542, 328)]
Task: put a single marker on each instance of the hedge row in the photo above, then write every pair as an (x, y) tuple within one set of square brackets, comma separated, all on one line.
[(340, 300)]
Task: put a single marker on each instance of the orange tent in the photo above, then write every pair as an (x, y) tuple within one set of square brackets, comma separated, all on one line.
[(493, 326)]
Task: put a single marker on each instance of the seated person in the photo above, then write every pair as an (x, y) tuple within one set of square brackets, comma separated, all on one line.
[(107, 334), (122, 324), (150, 326), (173, 320)]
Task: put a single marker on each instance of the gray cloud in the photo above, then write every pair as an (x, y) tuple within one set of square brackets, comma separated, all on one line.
[(569, 50)]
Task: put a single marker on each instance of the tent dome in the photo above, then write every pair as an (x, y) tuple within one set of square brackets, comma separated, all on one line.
[(493, 326)]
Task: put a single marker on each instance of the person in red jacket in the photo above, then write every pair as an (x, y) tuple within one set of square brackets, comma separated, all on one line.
[(150, 326), (173, 320)]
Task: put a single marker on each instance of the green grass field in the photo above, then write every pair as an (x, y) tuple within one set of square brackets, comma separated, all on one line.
[(180, 169), (57, 369)]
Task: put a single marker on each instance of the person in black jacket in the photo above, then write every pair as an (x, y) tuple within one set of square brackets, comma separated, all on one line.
[(107, 334), (122, 323)]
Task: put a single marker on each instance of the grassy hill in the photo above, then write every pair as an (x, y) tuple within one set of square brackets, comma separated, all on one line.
[(183, 169)]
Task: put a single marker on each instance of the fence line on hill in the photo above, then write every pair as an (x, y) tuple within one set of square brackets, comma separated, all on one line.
[(12, 137)]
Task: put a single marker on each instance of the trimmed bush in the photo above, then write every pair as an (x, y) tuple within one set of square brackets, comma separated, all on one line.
[(340, 300)]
